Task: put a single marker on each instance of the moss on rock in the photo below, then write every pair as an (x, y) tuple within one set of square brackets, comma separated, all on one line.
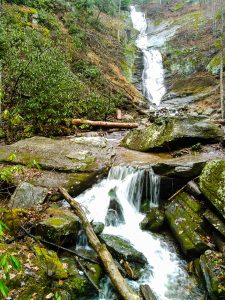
[(212, 184), (172, 132)]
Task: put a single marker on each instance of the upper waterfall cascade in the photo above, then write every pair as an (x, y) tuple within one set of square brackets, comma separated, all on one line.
[(165, 272), (153, 74)]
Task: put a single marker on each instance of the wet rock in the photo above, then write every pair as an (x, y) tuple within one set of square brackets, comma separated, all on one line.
[(114, 215), (69, 155), (181, 167), (146, 292), (122, 249), (98, 227), (212, 184), (62, 227), (212, 266), (27, 195), (184, 217), (154, 220), (215, 221), (171, 133)]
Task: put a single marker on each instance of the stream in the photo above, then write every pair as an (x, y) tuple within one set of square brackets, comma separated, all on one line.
[(166, 270)]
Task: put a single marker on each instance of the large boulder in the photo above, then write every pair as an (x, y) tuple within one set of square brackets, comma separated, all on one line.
[(212, 266), (74, 163), (69, 155), (184, 217), (122, 249), (173, 132), (27, 195), (60, 227), (212, 184)]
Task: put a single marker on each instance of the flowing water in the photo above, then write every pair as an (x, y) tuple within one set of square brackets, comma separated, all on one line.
[(165, 272), (153, 74)]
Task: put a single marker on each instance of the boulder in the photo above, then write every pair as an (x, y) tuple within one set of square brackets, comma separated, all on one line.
[(184, 217), (171, 133), (74, 164), (69, 155), (212, 266), (122, 249), (154, 220), (27, 195), (61, 227), (215, 221), (50, 262), (212, 184)]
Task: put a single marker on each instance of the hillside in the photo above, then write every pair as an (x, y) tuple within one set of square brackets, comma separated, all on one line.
[(62, 59)]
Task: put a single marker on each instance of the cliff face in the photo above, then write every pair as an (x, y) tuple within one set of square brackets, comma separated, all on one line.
[(186, 34)]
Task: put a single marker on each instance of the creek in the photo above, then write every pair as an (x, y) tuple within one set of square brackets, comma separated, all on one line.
[(166, 270)]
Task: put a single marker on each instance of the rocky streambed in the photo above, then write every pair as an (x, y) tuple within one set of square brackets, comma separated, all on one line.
[(182, 195)]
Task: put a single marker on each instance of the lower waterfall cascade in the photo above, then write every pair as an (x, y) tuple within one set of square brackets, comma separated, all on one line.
[(166, 272)]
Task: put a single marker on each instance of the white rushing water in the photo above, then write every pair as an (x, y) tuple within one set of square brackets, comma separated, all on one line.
[(153, 74), (165, 272)]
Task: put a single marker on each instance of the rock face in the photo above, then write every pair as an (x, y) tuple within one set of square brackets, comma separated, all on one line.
[(212, 266), (27, 195), (62, 227), (184, 217), (154, 220), (212, 184), (172, 132), (122, 249)]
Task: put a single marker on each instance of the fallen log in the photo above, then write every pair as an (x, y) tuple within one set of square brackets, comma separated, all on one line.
[(117, 279), (104, 124)]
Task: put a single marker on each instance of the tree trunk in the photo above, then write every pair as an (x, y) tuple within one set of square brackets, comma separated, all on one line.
[(104, 124), (118, 281)]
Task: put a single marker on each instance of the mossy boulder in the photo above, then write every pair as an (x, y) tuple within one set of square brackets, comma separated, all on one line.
[(27, 195), (184, 215), (171, 133), (212, 266), (13, 218), (77, 284), (154, 220), (123, 249), (69, 155), (212, 184), (62, 227), (50, 262)]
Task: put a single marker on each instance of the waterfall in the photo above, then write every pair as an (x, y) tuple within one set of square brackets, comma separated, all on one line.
[(165, 272), (153, 74)]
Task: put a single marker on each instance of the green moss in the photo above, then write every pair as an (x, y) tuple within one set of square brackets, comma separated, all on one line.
[(212, 184), (50, 262), (178, 6)]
